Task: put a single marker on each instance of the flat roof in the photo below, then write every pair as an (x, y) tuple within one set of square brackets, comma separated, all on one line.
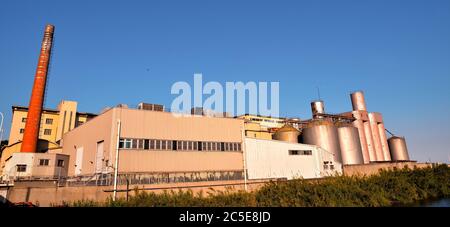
[(48, 110)]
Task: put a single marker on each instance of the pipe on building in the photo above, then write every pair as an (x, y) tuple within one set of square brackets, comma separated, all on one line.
[(31, 134)]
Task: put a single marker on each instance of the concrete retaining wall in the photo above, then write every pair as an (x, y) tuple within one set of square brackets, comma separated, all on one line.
[(51, 196), (374, 168)]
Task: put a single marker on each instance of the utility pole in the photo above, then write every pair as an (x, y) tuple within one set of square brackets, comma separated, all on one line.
[(116, 166)]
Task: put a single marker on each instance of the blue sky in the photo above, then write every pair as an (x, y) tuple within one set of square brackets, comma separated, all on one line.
[(110, 52)]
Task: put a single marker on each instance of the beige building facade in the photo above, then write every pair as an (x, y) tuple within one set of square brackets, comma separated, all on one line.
[(154, 141), (54, 123)]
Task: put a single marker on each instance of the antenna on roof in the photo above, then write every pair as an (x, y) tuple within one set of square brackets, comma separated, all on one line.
[(318, 93)]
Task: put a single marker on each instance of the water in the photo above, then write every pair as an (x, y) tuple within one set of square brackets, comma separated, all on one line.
[(444, 202)]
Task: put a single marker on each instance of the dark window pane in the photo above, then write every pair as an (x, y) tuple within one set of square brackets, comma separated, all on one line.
[(146, 144)]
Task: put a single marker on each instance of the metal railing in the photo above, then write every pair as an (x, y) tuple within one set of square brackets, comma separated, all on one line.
[(107, 179)]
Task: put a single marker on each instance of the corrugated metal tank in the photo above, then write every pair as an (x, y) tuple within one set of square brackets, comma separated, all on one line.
[(350, 145), (325, 135), (397, 146), (287, 133)]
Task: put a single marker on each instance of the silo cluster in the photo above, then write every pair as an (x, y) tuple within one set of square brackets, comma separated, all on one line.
[(355, 137), (371, 129), (358, 139)]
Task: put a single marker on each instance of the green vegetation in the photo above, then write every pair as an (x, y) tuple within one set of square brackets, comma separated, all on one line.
[(388, 187)]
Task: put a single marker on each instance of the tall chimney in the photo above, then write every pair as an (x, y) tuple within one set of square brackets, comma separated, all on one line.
[(31, 134)]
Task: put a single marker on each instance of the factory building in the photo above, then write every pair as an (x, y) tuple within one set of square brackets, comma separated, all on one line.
[(148, 141), (261, 127), (280, 159), (54, 123), (151, 145)]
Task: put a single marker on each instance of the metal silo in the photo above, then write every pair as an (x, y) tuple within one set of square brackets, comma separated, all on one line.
[(397, 146), (317, 107), (359, 125), (350, 145), (324, 134), (384, 143), (369, 140), (358, 101), (376, 137), (287, 133)]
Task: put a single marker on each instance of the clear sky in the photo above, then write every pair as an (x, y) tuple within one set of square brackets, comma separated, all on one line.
[(110, 52)]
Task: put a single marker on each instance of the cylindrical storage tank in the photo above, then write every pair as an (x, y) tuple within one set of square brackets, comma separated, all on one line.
[(358, 124), (399, 151), (376, 137), (287, 133), (350, 145), (384, 144), (369, 140), (358, 101), (317, 107), (325, 135)]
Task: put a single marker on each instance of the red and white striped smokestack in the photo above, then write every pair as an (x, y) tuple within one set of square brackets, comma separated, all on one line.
[(31, 134)]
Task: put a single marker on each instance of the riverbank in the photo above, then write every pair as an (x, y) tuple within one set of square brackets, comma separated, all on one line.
[(404, 186)]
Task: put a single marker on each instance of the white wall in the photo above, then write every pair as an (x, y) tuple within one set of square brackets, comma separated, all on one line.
[(271, 159), (21, 158)]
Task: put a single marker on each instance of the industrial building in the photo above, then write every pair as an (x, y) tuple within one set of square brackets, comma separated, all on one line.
[(148, 141), (272, 159), (54, 123), (151, 145)]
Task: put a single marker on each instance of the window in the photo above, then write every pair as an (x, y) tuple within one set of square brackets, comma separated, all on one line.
[(47, 132), (300, 152), (43, 162), (24, 119), (152, 144), (134, 143), (146, 144), (158, 145), (22, 130), (169, 145), (121, 143), (163, 145), (21, 168), (195, 146), (60, 163), (79, 123), (49, 121), (127, 143), (141, 144)]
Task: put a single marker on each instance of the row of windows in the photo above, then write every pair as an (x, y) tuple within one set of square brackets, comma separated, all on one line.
[(150, 144), (266, 120), (48, 121), (44, 162), (46, 131), (300, 152)]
